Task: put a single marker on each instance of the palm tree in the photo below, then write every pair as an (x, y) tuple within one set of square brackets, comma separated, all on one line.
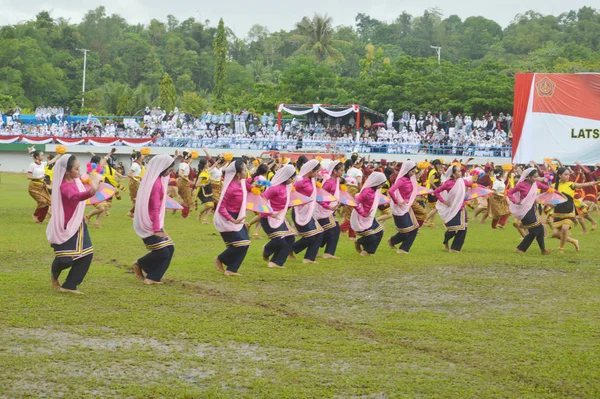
[(316, 37)]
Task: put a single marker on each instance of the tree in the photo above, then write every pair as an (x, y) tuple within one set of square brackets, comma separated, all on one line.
[(316, 38), (192, 103), (167, 97), (220, 52)]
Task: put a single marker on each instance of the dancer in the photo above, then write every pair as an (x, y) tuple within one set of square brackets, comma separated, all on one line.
[(149, 220), (363, 216), (205, 193), (230, 215), (451, 207), (258, 175), (324, 211), (482, 202), (403, 194), (433, 182), (564, 214), (280, 235), (37, 184), (135, 175), (67, 232), (524, 209), (183, 183), (302, 215), (101, 208), (497, 202)]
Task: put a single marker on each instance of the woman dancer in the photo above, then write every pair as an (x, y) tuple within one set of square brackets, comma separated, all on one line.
[(280, 235), (230, 215), (149, 220), (524, 208), (433, 182), (302, 215), (135, 175), (324, 211), (498, 206), (258, 175), (205, 193), (363, 216), (403, 194), (564, 214), (183, 183), (100, 209), (451, 207), (67, 232), (37, 185)]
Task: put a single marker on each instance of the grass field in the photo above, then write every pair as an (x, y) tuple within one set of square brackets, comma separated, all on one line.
[(485, 323)]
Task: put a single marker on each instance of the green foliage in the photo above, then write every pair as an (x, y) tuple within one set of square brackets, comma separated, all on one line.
[(192, 102), (377, 63), (167, 97), (220, 52)]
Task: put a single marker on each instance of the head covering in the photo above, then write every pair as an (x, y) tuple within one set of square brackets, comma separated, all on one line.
[(309, 166), (221, 224), (56, 232), (448, 173), (283, 175), (375, 179), (525, 174), (322, 212), (487, 167), (331, 166), (142, 224), (406, 167)]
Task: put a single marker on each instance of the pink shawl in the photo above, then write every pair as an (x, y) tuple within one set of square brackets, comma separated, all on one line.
[(56, 232), (282, 175), (142, 224), (400, 210), (456, 196), (304, 213), (320, 211), (221, 224), (362, 223)]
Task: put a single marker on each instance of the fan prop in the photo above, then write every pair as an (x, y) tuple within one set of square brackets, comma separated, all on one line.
[(477, 192), (172, 204), (551, 199), (105, 192), (258, 204), (347, 199), (324, 196), (298, 199), (424, 190)]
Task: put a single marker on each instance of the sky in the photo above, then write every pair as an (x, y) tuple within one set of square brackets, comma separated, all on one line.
[(240, 15)]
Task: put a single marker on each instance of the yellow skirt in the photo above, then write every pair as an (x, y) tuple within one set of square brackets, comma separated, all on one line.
[(134, 185), (557, 224), (498, 206), (216, 190), (183, 187), (39, 192), (419, 211)]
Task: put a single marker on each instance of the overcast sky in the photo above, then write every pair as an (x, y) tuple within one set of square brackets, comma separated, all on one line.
[(240, 15)]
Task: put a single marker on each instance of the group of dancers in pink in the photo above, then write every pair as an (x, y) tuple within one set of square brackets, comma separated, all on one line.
[(313, 220)]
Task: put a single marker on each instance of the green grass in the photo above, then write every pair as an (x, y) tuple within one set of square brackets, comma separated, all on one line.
[(485, 323)]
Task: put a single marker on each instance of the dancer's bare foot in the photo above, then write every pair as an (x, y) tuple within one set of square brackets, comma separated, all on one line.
[(219, 265), (96, 226), (265, 257), (454, 251), (518, 251), (256, 237), (137, 270), (594, 225), (147, 281), (272, 265), (365, 253), (546, 251), (230, 273), (357, 247), (329, 256), (36, 220), (67, 291), (204, 221), (87, 219), (401, 251), (55, 283), (390, 244), (130, 214), (292, 255), (576, 245), (308, 261), (446, 248)]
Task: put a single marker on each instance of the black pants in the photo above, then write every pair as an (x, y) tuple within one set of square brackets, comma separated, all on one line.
[(79, 269), (406, 239), (311, 244), (156, 262), (371, 242), (279, 249), (330, 237), (459, 238), (535, 233)]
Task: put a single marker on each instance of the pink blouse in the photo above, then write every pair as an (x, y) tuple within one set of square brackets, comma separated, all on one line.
[(523, 189), (364, 201), (277, 196), (447, 186), (71, 197), (233, 198), (156, 197), (404, 186), (304, 187)]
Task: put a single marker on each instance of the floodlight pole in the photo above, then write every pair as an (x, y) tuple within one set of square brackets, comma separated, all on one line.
[(85, 51), (438, 50)]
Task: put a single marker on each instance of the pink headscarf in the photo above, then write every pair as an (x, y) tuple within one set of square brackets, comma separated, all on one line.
[(362, 223), (142, 224), (56, 231), (321, 212), (282, 175), (401, 210), (519, 211), (304, 213), (221, 224), (456, 196)]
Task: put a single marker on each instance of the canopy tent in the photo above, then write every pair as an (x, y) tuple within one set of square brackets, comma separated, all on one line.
[(336, 111)]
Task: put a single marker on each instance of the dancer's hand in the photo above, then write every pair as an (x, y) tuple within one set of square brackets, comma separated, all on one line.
[(447, 203), (239, 220), (161, 234), (95, 180), (401, 203)]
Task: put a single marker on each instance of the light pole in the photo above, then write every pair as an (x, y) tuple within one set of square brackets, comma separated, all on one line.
[(85, 51), (438, 50)]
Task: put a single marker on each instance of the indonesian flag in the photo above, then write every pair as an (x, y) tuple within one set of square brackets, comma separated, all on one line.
[(557, 116), (8, 139)]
